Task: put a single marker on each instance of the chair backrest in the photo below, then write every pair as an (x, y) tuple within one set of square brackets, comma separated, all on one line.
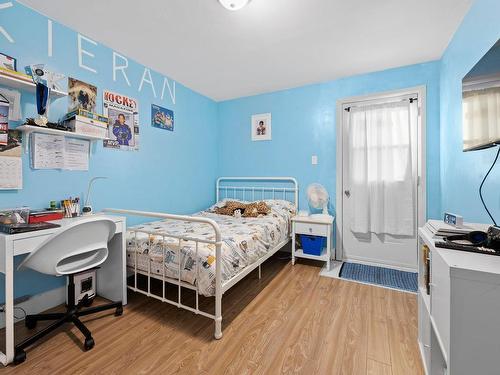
[(77, 247)]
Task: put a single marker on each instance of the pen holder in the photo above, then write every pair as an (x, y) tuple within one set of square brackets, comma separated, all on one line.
[(71, 208)]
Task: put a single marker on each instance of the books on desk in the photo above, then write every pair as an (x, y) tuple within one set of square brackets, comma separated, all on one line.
[(440, 229)]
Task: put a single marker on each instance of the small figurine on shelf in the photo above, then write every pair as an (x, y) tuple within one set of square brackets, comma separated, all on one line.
[(45, 81)]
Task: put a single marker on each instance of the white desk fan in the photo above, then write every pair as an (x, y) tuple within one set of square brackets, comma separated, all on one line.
[(317, 197)]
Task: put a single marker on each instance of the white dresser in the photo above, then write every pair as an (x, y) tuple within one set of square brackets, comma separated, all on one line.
[(459, 321)]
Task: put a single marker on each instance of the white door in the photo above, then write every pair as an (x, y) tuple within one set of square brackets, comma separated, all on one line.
[(380, 169)]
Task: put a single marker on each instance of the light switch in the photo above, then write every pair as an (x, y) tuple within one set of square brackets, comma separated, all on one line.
[(314, 159)]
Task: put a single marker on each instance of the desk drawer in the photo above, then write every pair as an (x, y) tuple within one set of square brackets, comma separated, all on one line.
[(313, 229), (26, 245)]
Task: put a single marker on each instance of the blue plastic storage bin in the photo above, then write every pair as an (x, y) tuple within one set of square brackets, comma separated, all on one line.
[(312, 245)]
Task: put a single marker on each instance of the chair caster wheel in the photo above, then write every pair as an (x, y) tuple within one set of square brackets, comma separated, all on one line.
[(89, 343), (29, 322), (20, 357), (119, 311)]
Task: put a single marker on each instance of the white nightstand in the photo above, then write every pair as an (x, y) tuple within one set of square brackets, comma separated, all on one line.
[(316, 227)]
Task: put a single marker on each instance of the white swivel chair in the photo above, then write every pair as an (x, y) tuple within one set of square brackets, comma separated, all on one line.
[(81, 246)]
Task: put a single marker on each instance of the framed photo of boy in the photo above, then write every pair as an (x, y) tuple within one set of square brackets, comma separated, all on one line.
[(261, 127)]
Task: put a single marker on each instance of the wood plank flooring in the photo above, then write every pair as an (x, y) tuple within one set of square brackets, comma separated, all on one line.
[(292, 321)]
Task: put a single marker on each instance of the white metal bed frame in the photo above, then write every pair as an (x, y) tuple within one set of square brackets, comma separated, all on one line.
[(220, 286)]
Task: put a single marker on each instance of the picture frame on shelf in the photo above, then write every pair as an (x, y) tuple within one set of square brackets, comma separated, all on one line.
[(8, 62), (81, 95), (261, 127)]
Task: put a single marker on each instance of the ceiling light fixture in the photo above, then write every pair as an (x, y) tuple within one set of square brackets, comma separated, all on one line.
[(234, 4)]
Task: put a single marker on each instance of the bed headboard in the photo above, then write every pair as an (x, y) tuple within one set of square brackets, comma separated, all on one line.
[(257, 188)]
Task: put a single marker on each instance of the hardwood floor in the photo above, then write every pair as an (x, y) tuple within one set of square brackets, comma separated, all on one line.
[(291, 321)]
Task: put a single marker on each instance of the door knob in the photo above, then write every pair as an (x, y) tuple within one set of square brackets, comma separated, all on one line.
[(347, 193)]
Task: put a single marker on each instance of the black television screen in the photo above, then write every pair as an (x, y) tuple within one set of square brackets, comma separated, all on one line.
[(481, 102)]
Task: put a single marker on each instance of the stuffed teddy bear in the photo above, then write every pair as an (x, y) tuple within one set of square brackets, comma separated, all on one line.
[(254, 209)]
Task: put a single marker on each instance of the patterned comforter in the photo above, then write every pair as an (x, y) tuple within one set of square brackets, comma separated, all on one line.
[(245, 240)]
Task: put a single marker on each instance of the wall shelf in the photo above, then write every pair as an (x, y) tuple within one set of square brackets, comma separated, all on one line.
[(28, 129), (21, 84)]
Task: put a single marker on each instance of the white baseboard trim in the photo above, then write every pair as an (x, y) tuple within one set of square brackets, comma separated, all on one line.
[(372, 262), (38, 303), (334, 271)]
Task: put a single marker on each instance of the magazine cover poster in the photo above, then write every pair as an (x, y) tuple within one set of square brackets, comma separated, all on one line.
[(120, 126), (162, 118), (4, 123), (81, 95), (123, 121)]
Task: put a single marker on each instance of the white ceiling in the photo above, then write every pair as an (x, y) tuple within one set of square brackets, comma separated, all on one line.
[(270, 44)]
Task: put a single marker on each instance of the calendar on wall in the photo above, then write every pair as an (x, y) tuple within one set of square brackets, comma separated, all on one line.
[(11, 173)]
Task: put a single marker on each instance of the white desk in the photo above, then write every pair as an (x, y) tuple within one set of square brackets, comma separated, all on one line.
[(111, 277)]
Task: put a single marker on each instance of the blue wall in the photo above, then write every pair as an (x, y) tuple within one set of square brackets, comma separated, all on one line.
[(304, 124), (171, 172), (461, 173), (175, 172)]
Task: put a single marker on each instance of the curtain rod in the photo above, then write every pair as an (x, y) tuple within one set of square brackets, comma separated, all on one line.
[(348, 109)]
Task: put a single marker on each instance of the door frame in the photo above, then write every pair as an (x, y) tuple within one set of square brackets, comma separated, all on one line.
[(420, 91)]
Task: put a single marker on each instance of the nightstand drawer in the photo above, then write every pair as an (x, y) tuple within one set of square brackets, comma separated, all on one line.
[(310, 228)]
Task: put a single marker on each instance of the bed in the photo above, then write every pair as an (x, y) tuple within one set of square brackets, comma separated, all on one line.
[(244, 241), (208, 252)]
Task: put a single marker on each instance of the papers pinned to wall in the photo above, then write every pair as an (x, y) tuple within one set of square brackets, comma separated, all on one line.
[(47, 151), (58, 152), (76, 154), (11, 166)]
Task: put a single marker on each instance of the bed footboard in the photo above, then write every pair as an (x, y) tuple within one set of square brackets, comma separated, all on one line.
[(217, 317)]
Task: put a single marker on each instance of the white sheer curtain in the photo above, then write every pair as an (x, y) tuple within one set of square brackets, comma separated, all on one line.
[(382, 168), (481, 116)]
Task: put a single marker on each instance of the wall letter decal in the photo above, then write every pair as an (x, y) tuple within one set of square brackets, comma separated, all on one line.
[(170, 90), (49, 38), (2, 30), (82, 52), (121, 67), (150, 81)]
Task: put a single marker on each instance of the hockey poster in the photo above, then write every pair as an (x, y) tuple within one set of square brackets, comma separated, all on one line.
[(123, 121)]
